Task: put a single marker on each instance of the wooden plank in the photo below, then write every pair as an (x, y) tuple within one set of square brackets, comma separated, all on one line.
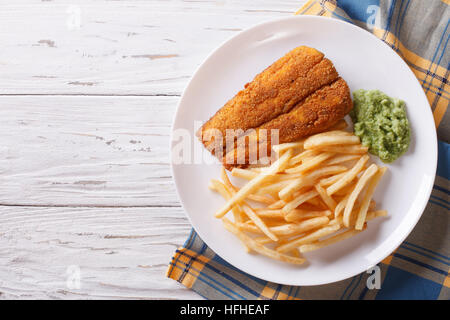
[(86, 151), (117, 47), (118, 253)]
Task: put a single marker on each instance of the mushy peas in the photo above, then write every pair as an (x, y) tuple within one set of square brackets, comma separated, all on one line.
[(381, 123)]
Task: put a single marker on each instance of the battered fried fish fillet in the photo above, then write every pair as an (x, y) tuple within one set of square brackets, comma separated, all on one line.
[(318, 112), (274, 91)]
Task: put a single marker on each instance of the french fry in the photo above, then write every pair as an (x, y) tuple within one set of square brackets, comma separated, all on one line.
[(299, 214), (374, 214), (328, 200), (308, 206), (349, 176), (305, 159), (261, 199), (365, 178), (318, 141), (340, 158), (274, 221), (237, 211), (346, 190), (268, 213), (324, 243), (367, 198), (287, 176), (330, 180), (243, 226), (350, 149), (274, 188), (310, 163), (330, 133), (289, 145), (370, 216), (231, 189), (301, 156), (308, 180), (259, 222), (296, 253), (294, 203), (259, 247), (277, 205), (296, 185), (243, 173), (310, 237), (316, 202), (300, 227), (226, 194), (253, 197), (247, 209), (263, 240), (253, 184), (288, 229), (341, 206)]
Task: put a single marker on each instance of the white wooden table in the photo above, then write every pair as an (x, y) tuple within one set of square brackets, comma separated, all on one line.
[(88, 90)]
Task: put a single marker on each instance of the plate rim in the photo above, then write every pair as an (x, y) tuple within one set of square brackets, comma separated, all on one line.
[(249, 30)]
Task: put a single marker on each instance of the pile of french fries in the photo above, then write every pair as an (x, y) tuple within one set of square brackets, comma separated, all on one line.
[(318, 192)]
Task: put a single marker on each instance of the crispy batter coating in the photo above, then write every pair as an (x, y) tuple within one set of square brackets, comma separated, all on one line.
[(316, 113), (274, 91)]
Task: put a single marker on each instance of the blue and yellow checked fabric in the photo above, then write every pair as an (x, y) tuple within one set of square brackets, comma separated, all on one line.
[(419, 269)]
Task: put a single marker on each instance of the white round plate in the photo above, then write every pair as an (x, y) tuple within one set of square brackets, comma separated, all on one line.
[(364, 62)]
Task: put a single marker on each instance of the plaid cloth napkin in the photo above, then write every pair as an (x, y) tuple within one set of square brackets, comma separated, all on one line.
[(419, 269)]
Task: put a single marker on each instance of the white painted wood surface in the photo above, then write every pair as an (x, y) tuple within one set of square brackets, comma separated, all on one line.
[(88, 90)]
